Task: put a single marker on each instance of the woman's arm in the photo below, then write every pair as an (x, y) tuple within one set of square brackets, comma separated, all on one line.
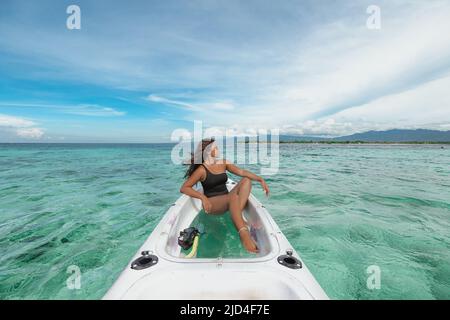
[(245, 173), (187, 189)]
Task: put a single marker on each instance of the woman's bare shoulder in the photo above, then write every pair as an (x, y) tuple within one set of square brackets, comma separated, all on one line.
[(223, 161), (200, 171)]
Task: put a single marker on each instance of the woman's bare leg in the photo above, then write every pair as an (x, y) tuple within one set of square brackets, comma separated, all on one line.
[(238, 198), (219, 204)]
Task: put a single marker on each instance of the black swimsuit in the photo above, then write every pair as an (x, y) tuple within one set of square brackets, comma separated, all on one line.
[(214, 184)]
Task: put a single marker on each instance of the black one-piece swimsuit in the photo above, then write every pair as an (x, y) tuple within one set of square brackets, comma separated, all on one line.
[(214, 184)]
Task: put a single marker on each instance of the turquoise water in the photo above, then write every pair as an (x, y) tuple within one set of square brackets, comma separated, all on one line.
[(218, 237), (343, 208)]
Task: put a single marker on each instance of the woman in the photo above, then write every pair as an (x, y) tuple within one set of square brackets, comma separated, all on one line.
[(216, 199)]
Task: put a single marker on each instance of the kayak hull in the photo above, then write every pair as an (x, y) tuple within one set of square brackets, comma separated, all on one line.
[(276, 272)]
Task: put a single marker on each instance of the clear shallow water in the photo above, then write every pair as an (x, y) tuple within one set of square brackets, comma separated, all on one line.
[(342, 207), (218, 237)]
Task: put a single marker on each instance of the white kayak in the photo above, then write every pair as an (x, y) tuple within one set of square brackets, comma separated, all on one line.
[(161, 270)]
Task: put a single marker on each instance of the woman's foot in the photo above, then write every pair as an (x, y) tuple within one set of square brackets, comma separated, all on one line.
[(247, 241)]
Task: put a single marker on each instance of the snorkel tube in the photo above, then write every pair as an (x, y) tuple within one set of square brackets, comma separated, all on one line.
[(194, 248)]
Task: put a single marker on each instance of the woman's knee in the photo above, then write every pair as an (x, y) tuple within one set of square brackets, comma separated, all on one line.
[(232, 197), (247, 182)]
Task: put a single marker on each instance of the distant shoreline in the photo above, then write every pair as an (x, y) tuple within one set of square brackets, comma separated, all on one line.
[(367, 142), (360, 142), (246, 142)]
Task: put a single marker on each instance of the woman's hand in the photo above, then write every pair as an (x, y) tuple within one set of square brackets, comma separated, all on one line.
[(264, 186), (207, 206)]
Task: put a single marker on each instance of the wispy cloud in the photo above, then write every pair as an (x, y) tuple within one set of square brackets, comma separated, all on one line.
[(158, 99), (81, 109), (201, 107), (93, 111)]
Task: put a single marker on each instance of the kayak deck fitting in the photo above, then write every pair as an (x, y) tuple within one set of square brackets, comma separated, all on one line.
[(161, 270)]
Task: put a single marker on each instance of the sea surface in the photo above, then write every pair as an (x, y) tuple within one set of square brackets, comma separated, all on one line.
[(344, 208)]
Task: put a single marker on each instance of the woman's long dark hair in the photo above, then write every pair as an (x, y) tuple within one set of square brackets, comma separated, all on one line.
[(197, 158)]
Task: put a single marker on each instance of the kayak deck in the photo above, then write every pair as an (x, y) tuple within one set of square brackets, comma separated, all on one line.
[(219, 283), (270, 274)]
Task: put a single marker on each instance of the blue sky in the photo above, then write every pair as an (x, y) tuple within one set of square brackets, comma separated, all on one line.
[(137, 70)]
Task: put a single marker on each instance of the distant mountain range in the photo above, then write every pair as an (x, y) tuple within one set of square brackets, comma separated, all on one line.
[(395, 135)]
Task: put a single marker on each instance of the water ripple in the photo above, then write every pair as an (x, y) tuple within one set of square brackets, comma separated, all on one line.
[(343, 208)]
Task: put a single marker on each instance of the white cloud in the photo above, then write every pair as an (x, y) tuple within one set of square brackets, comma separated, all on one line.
[(222, 106), (159, 99), (20, 127), (353, 66), (427, 106), (198, 107), (14, 122), (409, 110), (32, 133), (341, 70), (92, 110), (324, 127)]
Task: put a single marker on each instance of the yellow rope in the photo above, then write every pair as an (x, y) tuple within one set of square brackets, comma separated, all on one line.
[(194, 248)]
